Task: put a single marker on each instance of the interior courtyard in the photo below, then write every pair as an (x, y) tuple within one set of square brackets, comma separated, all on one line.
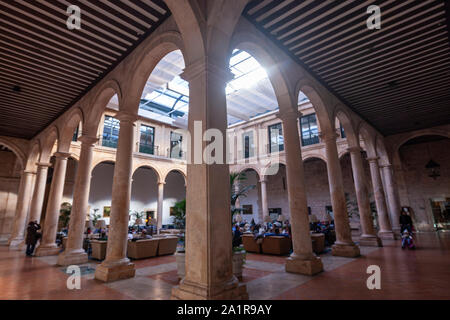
[(225, 149)]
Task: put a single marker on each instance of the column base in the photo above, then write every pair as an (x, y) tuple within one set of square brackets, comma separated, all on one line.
[(17, 244), (370, 241), (306, 267), (47, 250), (192, 291), (386, 235), (345, 250), (68, 258), (116, 270)]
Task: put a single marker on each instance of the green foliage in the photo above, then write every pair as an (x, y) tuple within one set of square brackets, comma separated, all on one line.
[(236, 194), (95, 216), (179, 220), (352, 206), (64, 217)]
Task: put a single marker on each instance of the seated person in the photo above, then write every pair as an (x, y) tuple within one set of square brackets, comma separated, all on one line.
[(144, 235), (276, 233)]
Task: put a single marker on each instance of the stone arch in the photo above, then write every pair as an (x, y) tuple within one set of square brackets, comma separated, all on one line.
[(265, 170), (176, 170), (412, 135), (48, 140), (368, 137), (146, 62), (16, 150), (157, 171), (315, 155), (68, 126), (98, 104), (253, 45), (33, 156), (107, 159), (250, 167), (381, 151), (347, 123), (322, 112)]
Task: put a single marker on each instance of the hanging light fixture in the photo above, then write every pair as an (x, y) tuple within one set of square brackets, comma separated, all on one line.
[(433, 167)]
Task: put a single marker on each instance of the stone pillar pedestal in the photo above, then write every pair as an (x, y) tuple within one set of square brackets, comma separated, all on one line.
[(74, 252), (368, 237), (23, 205), (48, 245), (116, 264), (302, 260), (160, 205), (385, 231), (344, 245)]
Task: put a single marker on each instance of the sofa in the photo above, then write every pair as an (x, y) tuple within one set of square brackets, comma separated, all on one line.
[(144, 248), (278, 245), (250, 244), (167, 245)]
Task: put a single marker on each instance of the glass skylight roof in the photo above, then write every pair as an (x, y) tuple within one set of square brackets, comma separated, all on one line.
[(249, 94)]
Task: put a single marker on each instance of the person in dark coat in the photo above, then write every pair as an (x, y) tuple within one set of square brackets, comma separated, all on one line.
[(32, 237), (405, 222)]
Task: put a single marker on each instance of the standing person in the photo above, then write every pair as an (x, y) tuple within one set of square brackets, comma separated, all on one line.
[(32, 237), (405, 221)]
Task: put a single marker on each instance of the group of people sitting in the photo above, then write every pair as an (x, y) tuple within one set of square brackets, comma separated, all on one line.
[(139, 233), (259, 231)]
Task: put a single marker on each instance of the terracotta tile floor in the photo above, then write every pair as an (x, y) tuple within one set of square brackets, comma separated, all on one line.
[(420, 274)]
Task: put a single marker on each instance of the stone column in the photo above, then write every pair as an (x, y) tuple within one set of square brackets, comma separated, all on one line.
[(48, 245), (385, 231), (368, 236), (39, 190), (116, 265), (344, 246), (160, 205), (23, 205), (264, 205), (392, 198), (302, 260), (74, 252), (209, 273)]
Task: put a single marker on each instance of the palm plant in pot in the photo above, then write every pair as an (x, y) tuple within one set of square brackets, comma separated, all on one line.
[(236, 193)]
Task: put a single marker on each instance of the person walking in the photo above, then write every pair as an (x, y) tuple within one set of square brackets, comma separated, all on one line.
[(32, 237)]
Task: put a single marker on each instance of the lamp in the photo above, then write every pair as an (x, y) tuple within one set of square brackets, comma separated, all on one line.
[(433, 169), (138, 221)]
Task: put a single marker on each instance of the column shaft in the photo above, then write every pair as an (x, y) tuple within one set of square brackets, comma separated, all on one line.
[(23, 206), (302, 260), (160, 205), (368, 236), (344, 246), (209, 272), (385, 231), (38, 195), (74, 252), (48, 245), (264, 205), (116, 265), (392, 198)]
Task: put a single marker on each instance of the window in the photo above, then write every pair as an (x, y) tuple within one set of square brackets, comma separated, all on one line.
[(110, 132), (248, 144), (309, 130), (342, 131), (147, 139), (176, 140), (247, 209), (75, 134), (276, 143)]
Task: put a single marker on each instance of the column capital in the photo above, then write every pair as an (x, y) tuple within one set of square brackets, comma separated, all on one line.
[(354, 149), (328, 136), (62, 155), (373, 159), (85, 139), (385, 166), (43, 164), (126, 117), (197, 68), (28, 172), (289, 114), (263, 179), (161, 182)]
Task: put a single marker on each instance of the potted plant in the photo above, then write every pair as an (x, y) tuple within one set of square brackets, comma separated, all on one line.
[(94, 218), (239, 253), (179, 220), (138, 217)]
